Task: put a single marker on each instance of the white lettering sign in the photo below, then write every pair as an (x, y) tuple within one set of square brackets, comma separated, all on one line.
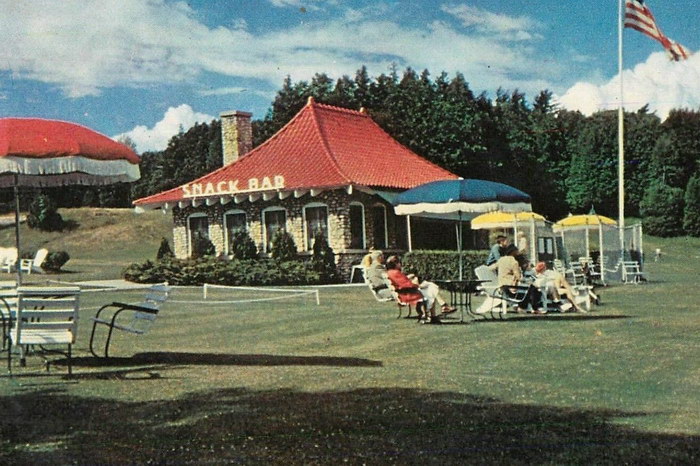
[(265, 183)]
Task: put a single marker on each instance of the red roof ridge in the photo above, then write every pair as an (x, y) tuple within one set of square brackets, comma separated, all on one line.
[(321, 134), (337, 109), (276, 135)]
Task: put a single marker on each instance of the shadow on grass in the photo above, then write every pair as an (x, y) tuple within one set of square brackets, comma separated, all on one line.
[(222, 359), (555, 317), (382, 425)]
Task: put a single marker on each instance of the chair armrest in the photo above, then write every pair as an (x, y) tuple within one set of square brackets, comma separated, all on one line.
[(134, 307)]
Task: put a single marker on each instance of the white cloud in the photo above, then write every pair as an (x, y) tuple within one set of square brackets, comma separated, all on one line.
[(235, 90), (305, 4), (84, 46), (658, 82), (508, 27), (157, 137)]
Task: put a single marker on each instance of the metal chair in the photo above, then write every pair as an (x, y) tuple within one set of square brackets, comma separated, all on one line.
[(142, 316), (44, 316)]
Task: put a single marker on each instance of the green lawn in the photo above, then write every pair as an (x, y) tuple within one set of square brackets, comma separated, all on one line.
[(289, 382)]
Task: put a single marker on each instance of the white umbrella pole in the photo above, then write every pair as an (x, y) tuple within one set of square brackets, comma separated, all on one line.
[(459, 245), (408, 232), (533, 239), (588, 245), (600, 256), (17, 240)]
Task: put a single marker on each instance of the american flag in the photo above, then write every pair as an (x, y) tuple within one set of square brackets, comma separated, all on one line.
[(639, 17)]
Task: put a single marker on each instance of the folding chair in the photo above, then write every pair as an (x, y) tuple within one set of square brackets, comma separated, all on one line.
[(141, 316)]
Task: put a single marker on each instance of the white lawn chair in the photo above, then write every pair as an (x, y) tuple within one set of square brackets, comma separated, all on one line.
[(493, 304), (631, 272), (9, 259), (34, 265), (141, 316), (44, 316)]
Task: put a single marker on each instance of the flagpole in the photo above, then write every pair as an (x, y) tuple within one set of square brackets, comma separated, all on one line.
[(620, 137)]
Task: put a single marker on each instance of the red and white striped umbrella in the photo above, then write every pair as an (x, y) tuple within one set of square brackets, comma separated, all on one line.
[(44, 153), (38, 152)]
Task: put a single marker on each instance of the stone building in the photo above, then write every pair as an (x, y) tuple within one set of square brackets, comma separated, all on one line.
[(328, 169)]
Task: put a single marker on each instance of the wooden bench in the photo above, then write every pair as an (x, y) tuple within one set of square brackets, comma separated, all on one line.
[(141, 316)]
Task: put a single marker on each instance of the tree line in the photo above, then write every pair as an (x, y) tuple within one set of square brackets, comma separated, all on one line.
[(566, 161)]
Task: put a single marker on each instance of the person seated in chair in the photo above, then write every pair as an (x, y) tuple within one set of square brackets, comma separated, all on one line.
[(509, 276), (375, 274), (497, 250), (555, 281), (429, 290)]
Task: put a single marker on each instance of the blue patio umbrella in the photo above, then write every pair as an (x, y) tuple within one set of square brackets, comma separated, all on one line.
[(460, 200)]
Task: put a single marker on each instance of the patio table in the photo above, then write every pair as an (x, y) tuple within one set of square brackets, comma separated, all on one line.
[(461, 294)]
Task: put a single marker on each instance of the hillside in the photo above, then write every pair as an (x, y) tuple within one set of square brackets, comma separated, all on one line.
[(101, 242)]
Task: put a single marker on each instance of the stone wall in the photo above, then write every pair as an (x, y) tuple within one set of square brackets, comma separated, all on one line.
[(338, 203)]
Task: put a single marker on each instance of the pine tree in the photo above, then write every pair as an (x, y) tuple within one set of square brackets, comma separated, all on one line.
[(662, 210), (691, 214)]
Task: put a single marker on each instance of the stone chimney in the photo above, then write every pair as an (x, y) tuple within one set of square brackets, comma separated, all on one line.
[(236, 135)]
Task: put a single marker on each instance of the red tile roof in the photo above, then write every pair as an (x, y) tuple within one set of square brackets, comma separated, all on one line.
[(322, 147)]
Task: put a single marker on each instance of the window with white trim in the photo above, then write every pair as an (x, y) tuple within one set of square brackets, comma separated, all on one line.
[(197, 230), (378, 214), (234, 221), (357, 226), (274, 220), (315, 221)]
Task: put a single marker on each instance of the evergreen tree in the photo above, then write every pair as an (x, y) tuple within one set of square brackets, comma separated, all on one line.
[(593, 167), (662, 210), (164, 250), (283, 247), (323, 259), (43, 215), (243, 247), (691, 214)]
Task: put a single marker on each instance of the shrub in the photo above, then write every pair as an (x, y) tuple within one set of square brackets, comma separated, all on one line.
[(662, 210), (193, 272), (43, 215), (202, 246), (283, 247), (442, 265), (691, 215), (55, 260), (243, 247), (164, 251), (323, 259)]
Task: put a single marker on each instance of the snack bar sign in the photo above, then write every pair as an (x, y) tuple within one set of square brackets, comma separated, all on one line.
[(265, 183)]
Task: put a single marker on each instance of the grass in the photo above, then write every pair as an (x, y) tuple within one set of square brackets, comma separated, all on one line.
[(103, 242), (289, 382)]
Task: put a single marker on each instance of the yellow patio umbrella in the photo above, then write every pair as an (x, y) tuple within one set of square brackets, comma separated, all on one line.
[(587, 222), (582, 222), (494, 220)]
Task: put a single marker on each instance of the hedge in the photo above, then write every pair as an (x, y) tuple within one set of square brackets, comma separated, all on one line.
[(442, 265), (196, 272)]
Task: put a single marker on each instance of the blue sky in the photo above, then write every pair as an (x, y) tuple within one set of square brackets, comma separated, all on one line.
[(145, 68)]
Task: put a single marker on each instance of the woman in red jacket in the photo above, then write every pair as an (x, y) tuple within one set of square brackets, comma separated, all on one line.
[(429, 290)]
